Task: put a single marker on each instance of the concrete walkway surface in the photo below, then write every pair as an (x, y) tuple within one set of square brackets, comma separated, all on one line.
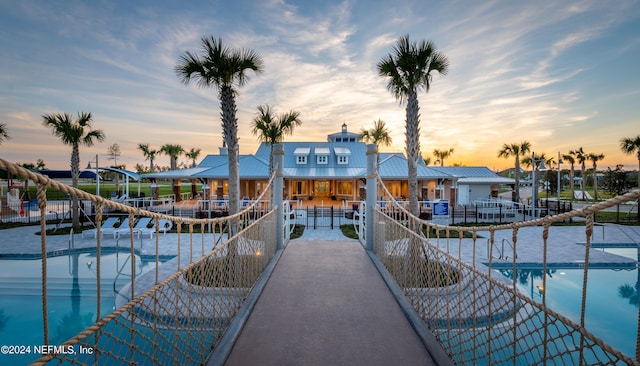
[(326, 304)]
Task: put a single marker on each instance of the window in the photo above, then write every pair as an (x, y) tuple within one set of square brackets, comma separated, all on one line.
[(322, 159), (299, 188), (344, 188), (301, 154), (343, 159)]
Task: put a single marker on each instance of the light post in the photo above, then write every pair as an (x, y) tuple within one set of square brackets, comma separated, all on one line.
[(97, 174)]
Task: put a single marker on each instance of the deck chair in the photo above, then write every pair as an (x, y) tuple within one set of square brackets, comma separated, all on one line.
[(109, 223), (163, 226), (141, 224), (112, 231)]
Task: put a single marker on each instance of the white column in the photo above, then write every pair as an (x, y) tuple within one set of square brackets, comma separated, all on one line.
[(372, 194)]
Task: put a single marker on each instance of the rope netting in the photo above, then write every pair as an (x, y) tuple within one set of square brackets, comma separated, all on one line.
[(477, 315), (177, 313)]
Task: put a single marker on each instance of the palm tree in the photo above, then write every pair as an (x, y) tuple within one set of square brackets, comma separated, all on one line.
[(193, 155), (39, 165), (378, 134), (149, 154), (74, 133), (271, 129), (539, 158), (594, 159), (581, 157), (569, 157), (174, 151), (408, 69), (4, 134), (629, 146), (515, 151), (442, 154), (427, 160), (223, 68)]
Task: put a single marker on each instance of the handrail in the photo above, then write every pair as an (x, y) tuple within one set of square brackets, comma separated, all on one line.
[(120, 272), (501, 256)]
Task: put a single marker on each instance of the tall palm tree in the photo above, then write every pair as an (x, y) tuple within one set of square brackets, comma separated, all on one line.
[(442, 154), (149, 154), (630, 145), (529, 163), (569, 157), (581, 157), (73, 133), (595, 158), (193, 155), (516, 151), (409, 69), (173, 151), (272, 129), (224, 69), (378, 134), (4, 134)]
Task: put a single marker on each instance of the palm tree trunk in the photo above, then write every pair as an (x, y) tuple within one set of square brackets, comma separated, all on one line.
[(413, 150), (75, 174), (230, 130)]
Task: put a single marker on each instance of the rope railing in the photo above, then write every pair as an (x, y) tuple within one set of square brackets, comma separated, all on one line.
[(177, 313), (477, 315)]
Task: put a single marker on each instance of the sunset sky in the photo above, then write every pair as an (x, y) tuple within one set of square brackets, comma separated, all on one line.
[(560, 74)]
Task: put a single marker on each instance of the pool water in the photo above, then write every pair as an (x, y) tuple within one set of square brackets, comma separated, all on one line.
[(72, 297), (612, 299)]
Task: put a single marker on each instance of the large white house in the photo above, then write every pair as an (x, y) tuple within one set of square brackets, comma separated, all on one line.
[(336, 170)]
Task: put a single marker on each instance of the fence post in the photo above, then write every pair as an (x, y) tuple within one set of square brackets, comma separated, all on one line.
[(372, 193), (278, 159)]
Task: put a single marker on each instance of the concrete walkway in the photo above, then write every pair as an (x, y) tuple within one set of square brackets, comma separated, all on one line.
[(326, 304)]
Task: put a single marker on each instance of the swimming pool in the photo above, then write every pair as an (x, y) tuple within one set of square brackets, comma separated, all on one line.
[(72, 296), (612, 299)]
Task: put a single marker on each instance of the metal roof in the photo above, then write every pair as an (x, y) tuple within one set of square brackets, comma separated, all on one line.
[(486, 180), (394, 166), (467, 171), (391, 166)]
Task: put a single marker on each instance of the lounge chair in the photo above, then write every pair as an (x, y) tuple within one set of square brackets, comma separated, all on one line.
[(122, 226), (109, 223), (141, 224), (163, 226)]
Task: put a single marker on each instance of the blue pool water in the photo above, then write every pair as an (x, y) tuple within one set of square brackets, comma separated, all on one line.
[(72, 297), (612, 300)]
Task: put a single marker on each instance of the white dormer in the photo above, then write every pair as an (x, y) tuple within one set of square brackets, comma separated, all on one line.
[(301, 154), (342, 154), (322, 155)]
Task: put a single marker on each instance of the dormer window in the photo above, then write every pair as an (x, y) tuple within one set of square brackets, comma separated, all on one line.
[(322, 155), (301, 154), (342, 153)]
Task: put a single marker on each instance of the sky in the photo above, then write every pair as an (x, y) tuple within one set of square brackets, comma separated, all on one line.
[(559, 74)]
